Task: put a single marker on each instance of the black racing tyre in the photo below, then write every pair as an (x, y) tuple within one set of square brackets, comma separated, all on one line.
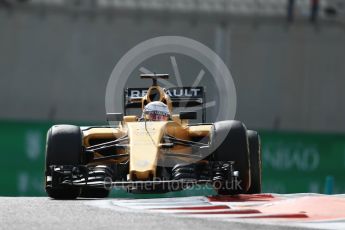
[(230, 143), (255, 161), (89, 192), (63, 147)]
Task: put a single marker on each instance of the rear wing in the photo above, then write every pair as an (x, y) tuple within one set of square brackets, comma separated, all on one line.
[(180, 97)]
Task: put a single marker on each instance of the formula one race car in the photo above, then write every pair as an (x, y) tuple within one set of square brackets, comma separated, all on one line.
[(156, 152)]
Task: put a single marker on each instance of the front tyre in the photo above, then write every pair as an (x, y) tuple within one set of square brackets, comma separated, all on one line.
[(231, 144), (63, 147), (255, 161)]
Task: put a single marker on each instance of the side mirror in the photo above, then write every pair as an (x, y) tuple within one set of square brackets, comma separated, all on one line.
[(188, 115), (114, 117)]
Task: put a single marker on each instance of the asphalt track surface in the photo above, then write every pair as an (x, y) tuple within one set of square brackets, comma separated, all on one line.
[(44, 213)]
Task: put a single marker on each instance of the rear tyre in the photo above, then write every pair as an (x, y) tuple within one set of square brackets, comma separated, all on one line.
[(255, 161), (64, 147), (231, 144)]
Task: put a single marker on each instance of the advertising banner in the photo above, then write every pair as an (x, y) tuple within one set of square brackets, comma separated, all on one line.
[(292, 162)]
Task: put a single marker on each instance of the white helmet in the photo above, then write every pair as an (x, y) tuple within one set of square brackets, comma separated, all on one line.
[(156, 111)]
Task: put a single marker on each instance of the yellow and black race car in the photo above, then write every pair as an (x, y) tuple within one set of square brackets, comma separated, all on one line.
[(154, 152)]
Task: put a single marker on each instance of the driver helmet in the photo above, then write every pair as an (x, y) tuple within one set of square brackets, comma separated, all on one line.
[(156, 111)]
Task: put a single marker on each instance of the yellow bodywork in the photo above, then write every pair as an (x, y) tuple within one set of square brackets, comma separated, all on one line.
[(145, 142), (145, 139), (144, 147)]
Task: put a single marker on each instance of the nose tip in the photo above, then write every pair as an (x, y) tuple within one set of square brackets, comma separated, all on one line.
[(141, 175)]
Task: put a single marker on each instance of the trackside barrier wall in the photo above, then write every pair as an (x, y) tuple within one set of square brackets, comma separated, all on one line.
[(292, 162)]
